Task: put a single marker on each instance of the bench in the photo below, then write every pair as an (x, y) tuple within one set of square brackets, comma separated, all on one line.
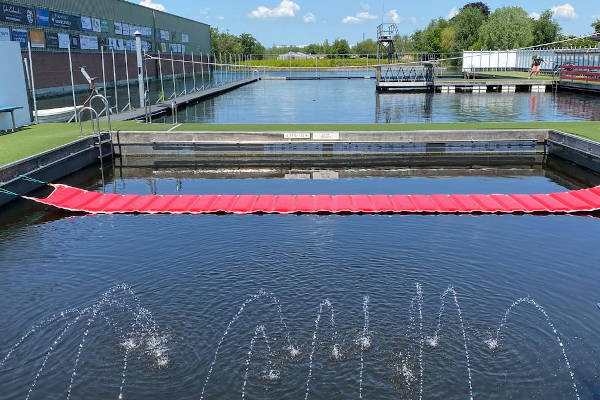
[(11, 110)]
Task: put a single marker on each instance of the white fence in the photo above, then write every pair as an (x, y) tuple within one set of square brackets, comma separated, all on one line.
[(520, 60)]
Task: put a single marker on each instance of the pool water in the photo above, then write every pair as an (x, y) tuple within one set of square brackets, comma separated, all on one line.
[(194, 278)]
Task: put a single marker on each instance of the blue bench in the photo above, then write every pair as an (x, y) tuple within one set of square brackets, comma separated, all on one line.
[(11, 110)]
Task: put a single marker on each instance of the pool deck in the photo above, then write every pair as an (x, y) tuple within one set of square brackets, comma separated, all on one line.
[(182, 101)]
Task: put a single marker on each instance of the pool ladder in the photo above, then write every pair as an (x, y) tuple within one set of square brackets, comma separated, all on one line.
[(97, 131)]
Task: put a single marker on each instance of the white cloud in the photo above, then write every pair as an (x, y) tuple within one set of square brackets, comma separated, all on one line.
[(151, 4), (220, 18), (309, 18), (359, 18), (534, 15), (285, 9), (565, 11), (452, 13), (393, 16)]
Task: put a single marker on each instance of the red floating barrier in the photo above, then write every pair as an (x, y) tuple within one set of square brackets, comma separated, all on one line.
[(74, 199)]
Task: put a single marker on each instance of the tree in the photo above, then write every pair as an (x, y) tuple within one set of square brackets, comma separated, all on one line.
[(250, 45), (596, 25), (545, 30), (365, 47), (485, 10), (447, 39), (466, 27), (507, 28), (340, 46)]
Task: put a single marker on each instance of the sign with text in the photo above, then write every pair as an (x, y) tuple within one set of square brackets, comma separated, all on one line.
[(21, 36), (105, 25), (52, 40), (42, 17), (118, 28), (37, 39), (4, 35), (96, 26), (16, 14), (86, 24), (185, 38), (75, 42), (88, 42), (64, 39), (65, 21), (126, 28), (164, 35)]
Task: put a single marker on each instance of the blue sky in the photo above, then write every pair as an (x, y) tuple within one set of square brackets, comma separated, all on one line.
[(299, 22)]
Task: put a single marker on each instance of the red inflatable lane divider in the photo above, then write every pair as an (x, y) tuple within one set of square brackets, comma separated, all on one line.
[(74, 199)]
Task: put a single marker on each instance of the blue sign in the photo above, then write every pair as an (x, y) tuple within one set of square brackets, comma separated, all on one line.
[(21, 36), (42, 17)]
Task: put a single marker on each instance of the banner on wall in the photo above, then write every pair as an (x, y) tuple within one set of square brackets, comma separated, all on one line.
[(75, 42), (64, 39), (185, 38), (105, 25), (4, 34), (16, 14), (21, 36), (96, 27), (52, 40), (125, 29), (147, 31), (86, 24), (65, 21), (118, 28), (88, 42), (37, 39), (42, 17), (163, 47), (164, 35)]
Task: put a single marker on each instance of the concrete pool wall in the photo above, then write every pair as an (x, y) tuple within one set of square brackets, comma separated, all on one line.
[(474, 148)]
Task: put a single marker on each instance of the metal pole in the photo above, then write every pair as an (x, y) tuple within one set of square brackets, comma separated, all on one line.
[(193, 73), (209, 78), (127, 78), (183, 68), (202, 68), (103, 72), (162, 86), (221, 68), (173, 76), (140, 66), (72, 84), (35, 110), (115, 80)]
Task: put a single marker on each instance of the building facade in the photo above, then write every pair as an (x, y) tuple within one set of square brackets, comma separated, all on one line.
[(86, 25)]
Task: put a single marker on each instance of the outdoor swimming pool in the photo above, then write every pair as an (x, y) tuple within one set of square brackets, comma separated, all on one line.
[(356, 101), (192, 275)]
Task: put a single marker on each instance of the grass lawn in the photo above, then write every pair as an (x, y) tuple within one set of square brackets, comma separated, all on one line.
[(39, 138)]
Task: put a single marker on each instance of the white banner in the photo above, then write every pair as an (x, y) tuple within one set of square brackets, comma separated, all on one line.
[(88, 42), (63, 40), (164, 35), (96, 26), (125, 29), (86, 24), (185, 38), (4, 35), (118, 28)]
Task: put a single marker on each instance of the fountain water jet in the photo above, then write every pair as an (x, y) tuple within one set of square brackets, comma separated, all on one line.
[(271, 374), (260, 294), (324, 303), (495, 342), (364, 342)]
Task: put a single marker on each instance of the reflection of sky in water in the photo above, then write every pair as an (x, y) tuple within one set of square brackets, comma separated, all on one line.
[(355, 101)]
